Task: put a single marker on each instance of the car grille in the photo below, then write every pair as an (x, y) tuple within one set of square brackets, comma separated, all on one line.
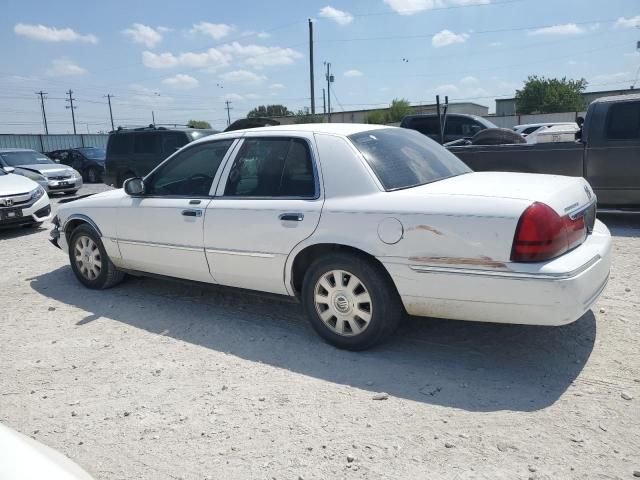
[(60, 177), (11, 201)]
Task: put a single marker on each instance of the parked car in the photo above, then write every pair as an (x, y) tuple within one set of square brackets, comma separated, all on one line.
[(554, 133), (23, 458), (53, 177), (22, 201), (606, 155), (457, 126), (135, 152), (359, 222), (89, 161), (528, 128)]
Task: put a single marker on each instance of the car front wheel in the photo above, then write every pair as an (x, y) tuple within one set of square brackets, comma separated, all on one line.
[(90, 261), (350, 301)]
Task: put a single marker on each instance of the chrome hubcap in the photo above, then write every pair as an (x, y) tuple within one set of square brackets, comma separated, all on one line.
[(88, 259), (343, 303)]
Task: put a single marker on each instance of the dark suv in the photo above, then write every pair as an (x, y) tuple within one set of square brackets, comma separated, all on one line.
[(89, 161), (135, 152), (458, 125)]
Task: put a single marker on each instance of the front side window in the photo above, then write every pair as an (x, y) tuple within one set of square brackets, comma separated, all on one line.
[(624, 121), (403, 158), (272, 167), (189, 173), (425, 125)]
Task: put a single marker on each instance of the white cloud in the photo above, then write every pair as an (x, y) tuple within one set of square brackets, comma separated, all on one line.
[(64, 67), (495, 44), (148, 96), (353, 73), (611, 78), (233, 97), (212, 58), (259, 56), (447, 37), (565, 29), (340, 17), (214, 30), (251, 33), (447, 89), (631, 22), (469, 81), (411, 7), (52, 34), (276, 86), (181, 82), (145, 34), (242, 76)]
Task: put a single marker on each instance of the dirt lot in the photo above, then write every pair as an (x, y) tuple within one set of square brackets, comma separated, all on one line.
[(156, 380)]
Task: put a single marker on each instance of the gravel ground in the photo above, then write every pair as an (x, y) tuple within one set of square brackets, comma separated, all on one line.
[(159, 380)]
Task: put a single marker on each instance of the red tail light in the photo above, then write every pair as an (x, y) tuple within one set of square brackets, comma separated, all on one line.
[(542, 234)]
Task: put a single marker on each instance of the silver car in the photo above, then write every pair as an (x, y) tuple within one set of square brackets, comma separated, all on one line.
[(52, 176)]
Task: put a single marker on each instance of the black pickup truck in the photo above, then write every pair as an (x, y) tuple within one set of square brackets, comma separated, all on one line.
[(607, 154)]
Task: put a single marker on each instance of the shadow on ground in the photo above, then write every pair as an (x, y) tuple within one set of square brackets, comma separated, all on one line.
[(10, 232), (471, 366), (622, 225)]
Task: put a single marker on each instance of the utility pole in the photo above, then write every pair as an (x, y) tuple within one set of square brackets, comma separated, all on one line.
[(324, 102), (109, 96), (44, 114), (153, 118), (70, 106), (229, 108), (330, 79), (313, 95)]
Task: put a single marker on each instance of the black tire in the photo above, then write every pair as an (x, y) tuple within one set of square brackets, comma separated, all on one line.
[(92, 175), (385, 306), (497, 136), (108, 275)]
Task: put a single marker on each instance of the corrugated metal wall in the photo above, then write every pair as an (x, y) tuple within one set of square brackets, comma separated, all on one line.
[(48, 143)]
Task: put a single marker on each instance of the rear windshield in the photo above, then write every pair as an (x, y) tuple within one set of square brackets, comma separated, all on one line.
[(404, 158)]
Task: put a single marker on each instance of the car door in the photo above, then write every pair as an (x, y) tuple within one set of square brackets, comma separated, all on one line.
[(269, 199), (161, 231)]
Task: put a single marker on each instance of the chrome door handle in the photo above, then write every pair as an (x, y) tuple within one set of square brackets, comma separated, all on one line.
[(192, 213), (291, 217)]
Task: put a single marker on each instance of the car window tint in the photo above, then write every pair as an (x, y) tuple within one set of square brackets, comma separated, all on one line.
[(425, 125), (529, 130), (624, 121), (189, 173), (272, 167), (145, 143), (172, 141), (119, 144), (403, 158)]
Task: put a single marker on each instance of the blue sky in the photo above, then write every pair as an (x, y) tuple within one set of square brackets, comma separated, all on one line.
[(184, 59)]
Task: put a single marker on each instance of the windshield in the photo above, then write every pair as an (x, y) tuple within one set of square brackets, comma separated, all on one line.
[(15, 159), (93, 153), (404, 158)]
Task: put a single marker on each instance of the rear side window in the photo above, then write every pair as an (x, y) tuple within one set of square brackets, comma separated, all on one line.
[(272, 167), (425, 125), (172, 141), (145, 143), (119, 144), (624, 121), (402, 158)]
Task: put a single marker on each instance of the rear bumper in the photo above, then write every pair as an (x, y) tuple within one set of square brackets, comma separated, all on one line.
[(556, 292)]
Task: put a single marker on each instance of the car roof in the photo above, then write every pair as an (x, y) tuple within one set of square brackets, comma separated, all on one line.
[(342, 129), (544, 124), (618, 98)]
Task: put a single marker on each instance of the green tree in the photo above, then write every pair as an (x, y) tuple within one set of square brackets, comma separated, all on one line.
[(550, 95), (301, 116), (377, 117), (269, 111), (198, 124), (398, 109)]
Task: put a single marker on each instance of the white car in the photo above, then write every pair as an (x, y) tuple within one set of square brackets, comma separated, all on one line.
[(22, 201), (554, 133), (527, 129), (359, 222)]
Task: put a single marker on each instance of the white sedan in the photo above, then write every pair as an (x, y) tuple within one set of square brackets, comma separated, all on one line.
[(22, 201), (361, 223)]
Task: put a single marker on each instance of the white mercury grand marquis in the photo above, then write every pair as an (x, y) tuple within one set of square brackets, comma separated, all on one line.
[(360, 222)]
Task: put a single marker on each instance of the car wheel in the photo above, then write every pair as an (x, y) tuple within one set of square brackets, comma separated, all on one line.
[(92, 175), (89, 260), (350, 301)]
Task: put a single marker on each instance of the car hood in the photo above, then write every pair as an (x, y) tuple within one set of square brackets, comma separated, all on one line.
[(13, 184), (24, 458), (563, 194), (49, 170)]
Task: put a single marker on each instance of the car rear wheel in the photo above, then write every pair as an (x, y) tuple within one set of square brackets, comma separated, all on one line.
[(90, 261), (350, 301)]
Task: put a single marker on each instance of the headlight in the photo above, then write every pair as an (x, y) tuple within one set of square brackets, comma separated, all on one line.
[(37, 193), (36, 177), (77, 174)]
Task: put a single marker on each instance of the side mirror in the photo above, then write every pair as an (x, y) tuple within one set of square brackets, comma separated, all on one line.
[(9, 169), (134, 186)]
